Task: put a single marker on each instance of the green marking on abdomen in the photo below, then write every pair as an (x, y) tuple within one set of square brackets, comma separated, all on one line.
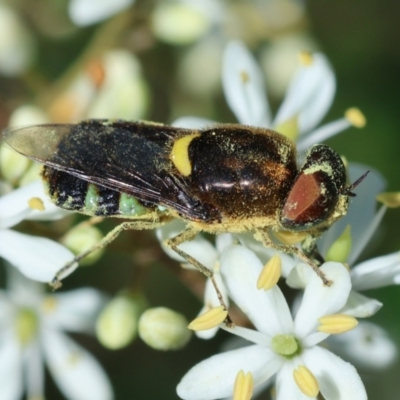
[(129, 205), (92, 199)]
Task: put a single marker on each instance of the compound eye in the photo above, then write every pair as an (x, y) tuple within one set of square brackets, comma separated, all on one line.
[(316, 190), (309, 203)]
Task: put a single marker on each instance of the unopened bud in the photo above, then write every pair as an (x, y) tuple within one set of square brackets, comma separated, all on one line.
[(164, 329), (117, 324), (82, 238)]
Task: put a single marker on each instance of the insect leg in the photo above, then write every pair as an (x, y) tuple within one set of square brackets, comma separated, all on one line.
[(124, 226), (310, 249), (264, 237), (188, 234)]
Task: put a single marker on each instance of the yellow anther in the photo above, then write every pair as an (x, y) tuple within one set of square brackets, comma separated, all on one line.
[(209, 319), (244, 77), (337, 323), (74, 358), (180, 154), (290, 238), (306, 381), (244, 384), (306, 58), (389, 199), (270, 274), (49, 304), (355, 117), (340, 249), (36, 203)]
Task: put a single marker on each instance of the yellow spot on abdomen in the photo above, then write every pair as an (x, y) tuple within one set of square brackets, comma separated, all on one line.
[(180, 154)]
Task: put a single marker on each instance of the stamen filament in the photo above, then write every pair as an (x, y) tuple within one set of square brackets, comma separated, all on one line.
[(324, 132)]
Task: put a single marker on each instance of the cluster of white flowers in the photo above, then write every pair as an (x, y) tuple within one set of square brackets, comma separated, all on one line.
[(285, 346), (32, 321)]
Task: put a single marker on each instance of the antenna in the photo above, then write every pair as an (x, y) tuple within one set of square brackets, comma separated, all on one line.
[(348, 190)]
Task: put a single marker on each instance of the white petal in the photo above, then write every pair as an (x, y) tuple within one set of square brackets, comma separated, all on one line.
[(75, 310), (361, 211), (244, 86), (360, 306), (214, 377), (286, 387), (22, 291), (299, 276), (265, 253), (367, 345), (199, 248), (223, 241), (34, 372), (320, 300), (36, 257), (193, 123), (322, 133), (310, 94), (268, 310), (6, 309), (11, 382), (376, 272), (87, 12), (338, 380), (77, 373), (14, 206)]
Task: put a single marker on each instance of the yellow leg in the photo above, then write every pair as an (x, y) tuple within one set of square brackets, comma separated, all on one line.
[(188, 234), (139, 224), (264, 237)]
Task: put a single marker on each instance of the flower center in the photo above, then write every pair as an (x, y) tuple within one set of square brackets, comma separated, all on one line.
[(26, 324), (286, 345)]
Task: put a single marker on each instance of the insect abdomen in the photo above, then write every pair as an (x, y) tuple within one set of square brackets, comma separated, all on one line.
[(72, 193)]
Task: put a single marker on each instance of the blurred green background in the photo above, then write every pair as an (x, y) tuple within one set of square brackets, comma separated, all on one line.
[(360, 38)]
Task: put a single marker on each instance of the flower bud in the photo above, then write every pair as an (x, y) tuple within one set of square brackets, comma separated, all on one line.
[(177, 23), (12, 164), (164, 329), (117, 324), (340, 249), (82, 238)]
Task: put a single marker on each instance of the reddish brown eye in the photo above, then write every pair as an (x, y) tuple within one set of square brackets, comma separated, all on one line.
[(316, 190)]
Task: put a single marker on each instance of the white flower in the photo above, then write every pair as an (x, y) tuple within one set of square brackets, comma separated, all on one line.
[(307, 100), (88, 12), (31, 333), (281, 344), (37, 257), (367, 345), (377, 272)]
